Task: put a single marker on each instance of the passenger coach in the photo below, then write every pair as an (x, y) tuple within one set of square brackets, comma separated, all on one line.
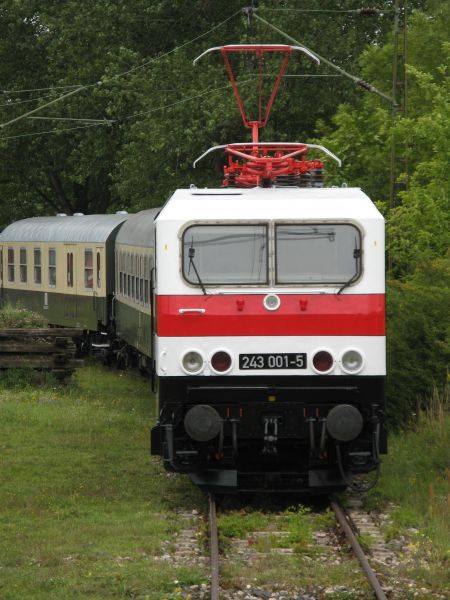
[(62, 267)]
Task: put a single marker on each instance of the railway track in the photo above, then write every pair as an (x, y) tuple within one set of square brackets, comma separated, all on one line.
[(342, 519)]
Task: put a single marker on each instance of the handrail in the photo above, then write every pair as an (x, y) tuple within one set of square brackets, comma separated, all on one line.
[(243, 47), (281, 144)]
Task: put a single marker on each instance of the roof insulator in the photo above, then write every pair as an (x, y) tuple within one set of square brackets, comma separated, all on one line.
[(368, 11), (365, 85)]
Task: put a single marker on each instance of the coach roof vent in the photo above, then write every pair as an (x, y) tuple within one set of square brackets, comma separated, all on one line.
[(61, 215), (121, 212), (78, 214)]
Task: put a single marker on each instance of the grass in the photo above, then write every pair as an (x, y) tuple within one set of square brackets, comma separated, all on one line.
[(84, 511), (416, 477)]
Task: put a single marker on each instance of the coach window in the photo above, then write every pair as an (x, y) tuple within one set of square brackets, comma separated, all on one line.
[(23, 265), (146, 280), (321, 254), (225, 254), (99, 272), (120, 273), (141, 280), (52, 267), (128, 275), (70, 269), (88, 269), (11, 265), (37, 266), (131, 281)]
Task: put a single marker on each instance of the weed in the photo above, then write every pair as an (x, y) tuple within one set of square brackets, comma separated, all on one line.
[(366, 541), (18, 317), (239, 523)]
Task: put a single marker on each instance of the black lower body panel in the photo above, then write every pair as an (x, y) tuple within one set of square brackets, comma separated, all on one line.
[(270, 433)]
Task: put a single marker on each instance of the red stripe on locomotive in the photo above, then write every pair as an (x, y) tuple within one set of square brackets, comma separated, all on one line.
[(245, 315)]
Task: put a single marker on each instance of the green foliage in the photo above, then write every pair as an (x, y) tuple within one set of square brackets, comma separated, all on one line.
[(25, 378), (416, 477), (418, 334), (17, 317), (148, 150)]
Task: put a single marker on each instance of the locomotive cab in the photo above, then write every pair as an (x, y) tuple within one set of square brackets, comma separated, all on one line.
[(270, 347)]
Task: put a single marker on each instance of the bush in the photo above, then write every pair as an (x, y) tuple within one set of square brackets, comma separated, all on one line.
[(17, 317), (418, 344)]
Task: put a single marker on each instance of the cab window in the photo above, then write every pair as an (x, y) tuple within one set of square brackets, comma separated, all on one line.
[(225, 254), (322, 253)]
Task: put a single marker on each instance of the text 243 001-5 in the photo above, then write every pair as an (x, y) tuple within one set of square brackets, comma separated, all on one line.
[(272, 361)]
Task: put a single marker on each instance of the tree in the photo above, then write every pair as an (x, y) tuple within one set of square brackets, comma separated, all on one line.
[(417, 226), (147, 151)]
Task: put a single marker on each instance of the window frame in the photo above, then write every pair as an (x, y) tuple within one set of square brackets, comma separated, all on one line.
[(11, 264), (271, 226), (50, 266), (69, 266), (264, 224), (98, 268), (86, 269), (22, 280), (37, 266)]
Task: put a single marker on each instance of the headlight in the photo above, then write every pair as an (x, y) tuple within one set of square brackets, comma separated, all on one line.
[(323, 362), (192, 362), (271, 302), (221, 362), (352, 361)]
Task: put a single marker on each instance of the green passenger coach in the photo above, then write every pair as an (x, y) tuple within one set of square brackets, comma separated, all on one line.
[(61, 267), (135, 261)]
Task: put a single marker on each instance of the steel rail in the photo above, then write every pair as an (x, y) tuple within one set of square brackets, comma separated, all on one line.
[(373, 580), (214, 548)]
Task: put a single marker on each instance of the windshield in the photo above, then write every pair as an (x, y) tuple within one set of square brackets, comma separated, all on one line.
[(317, 253), (225, 254)]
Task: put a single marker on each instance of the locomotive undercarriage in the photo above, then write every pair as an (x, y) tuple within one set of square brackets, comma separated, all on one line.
[(279, 434)]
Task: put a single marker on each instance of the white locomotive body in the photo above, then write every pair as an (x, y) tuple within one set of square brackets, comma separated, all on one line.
[(270, 316)]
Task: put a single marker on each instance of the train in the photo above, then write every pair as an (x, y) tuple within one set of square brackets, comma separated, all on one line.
[(257, 308)]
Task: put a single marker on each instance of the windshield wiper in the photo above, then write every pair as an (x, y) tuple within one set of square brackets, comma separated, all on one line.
[(191, 255), (356, 256), (350, 281)]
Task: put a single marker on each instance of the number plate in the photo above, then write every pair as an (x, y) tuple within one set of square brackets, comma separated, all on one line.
[(272, 361)]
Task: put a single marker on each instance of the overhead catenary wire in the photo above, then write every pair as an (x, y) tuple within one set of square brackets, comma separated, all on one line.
[(115, 121), (135, 68), (358, 11), (364, 84), (30, 112), (13, 102), (107, 121)]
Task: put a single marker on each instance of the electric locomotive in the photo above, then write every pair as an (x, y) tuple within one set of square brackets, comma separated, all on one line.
[(270, 333)]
